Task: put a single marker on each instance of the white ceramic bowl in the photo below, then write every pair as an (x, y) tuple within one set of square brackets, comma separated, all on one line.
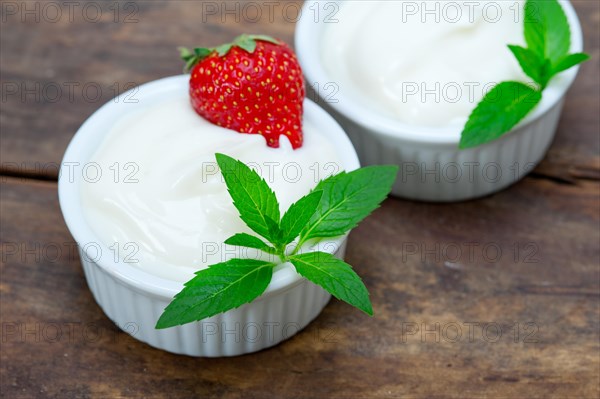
[(134, 299), (432, 168)]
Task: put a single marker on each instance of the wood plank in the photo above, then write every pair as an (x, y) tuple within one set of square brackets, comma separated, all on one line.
[(56, 74), (43, 62), (577, 144), (427, 266), (544, 298)]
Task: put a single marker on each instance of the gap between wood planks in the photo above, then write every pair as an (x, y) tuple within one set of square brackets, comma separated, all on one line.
[(15, 180), (7, 173)]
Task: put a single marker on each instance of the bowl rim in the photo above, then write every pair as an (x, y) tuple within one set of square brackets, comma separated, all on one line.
[(308, 48), (91, 133)]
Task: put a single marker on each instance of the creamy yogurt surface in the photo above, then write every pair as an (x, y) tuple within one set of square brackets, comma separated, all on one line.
[(425, 63), (161, 203)]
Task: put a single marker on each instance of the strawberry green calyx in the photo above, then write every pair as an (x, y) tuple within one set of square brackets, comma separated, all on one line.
[(192, 58), (244, 41)]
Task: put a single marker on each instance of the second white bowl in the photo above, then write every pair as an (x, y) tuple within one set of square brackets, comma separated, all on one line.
[(432, 168)]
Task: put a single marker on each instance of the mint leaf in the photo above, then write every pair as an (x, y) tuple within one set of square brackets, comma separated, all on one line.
[(219, 288), (335, 206), (569, 61), (548, 38), (501, 109), (275, 232), (298, 215), (547, 32), (335, 276), (251, 195), (248, 241), (534, 67), (347, 199)]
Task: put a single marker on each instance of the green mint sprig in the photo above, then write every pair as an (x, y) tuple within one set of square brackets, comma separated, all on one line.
[(548, 37), (336, 205)]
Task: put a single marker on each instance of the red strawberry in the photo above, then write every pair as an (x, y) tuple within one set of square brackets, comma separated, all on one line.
[(253, 85)]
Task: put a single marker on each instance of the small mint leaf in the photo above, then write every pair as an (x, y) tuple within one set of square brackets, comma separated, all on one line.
[(499, 111), (215, 290), (547, 32), (298, 215), (275, 232), (249, 241), (569, 61), (347, 199), (534, 67), (335, 276), (253, 198), (534, 29)]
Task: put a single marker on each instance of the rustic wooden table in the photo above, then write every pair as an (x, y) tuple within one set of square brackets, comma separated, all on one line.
[(513, 314)]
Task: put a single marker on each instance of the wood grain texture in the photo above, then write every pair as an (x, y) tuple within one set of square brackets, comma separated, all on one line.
[(56, 74), (524, 261), (528, 319)]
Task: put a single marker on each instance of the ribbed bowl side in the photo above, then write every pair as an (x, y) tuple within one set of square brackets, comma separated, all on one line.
[(442, 172), (265, 322)]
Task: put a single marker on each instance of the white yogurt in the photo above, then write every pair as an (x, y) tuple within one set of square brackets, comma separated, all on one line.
[(425, 63), (161, 203)]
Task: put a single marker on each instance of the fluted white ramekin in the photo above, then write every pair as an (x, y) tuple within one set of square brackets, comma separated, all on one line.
[(134, 299), (432, 168)]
